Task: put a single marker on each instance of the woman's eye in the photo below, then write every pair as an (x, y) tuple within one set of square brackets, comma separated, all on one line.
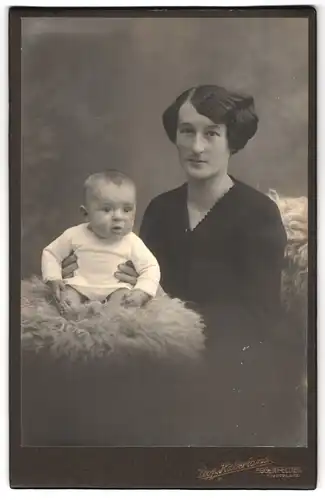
[(213, 133), (186, 130), (107, 209)]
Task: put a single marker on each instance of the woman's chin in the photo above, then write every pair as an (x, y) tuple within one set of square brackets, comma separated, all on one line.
[(200, 174)]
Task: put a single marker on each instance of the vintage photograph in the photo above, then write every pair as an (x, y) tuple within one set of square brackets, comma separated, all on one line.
[(164, 230)]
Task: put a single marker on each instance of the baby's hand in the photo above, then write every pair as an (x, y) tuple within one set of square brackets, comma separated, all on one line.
[(136, 298), (57, 288)]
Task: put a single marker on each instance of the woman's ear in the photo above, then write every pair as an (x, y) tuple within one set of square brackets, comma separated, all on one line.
[(83, 211)]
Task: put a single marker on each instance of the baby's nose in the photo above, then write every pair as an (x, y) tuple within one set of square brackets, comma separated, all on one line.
[(118, 214)]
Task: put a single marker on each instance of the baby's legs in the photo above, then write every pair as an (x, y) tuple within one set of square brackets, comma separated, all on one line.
[(116, 298)]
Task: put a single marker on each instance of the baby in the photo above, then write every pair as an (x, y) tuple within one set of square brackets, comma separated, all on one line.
[(100, 245)]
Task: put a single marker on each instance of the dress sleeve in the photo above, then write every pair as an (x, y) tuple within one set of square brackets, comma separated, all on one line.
[(149, 230), (262, 262)]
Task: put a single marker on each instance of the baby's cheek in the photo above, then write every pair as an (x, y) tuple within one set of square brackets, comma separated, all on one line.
[(105, 219), (130, 220)]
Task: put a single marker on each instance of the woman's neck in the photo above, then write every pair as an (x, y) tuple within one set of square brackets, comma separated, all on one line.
[(203, 194)]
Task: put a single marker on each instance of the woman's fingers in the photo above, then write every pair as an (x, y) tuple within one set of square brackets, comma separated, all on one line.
[(127, 268), (126, 278), (69, 266), (126, 273), (71, 259), (68, 271)]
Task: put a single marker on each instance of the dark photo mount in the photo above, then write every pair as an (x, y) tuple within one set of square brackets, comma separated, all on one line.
[(68, 114)]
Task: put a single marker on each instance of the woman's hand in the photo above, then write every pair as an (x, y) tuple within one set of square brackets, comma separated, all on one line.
[(69, 266), (126, 273)]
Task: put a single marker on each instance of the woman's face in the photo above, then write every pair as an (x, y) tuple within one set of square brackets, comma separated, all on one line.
[(202, 145)]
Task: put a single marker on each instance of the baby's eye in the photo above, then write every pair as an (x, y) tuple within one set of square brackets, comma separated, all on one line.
[(128, 209)]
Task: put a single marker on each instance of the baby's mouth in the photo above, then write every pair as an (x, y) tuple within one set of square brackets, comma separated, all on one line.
[(117, 228)]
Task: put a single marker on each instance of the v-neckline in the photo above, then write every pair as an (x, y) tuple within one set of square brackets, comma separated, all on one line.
[(212, 209)]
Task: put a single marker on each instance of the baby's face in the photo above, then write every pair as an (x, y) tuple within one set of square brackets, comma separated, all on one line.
[(111, 209)]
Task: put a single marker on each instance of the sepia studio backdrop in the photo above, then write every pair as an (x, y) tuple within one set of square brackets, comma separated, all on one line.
[(93, 92)]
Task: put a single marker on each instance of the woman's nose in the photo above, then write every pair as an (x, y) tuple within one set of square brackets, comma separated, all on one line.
[(198, 144)]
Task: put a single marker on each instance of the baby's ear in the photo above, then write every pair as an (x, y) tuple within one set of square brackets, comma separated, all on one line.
[(83, 211)]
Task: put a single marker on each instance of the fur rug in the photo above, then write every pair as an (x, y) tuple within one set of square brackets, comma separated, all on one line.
[(164, 397), (294, 212), (165, 328)]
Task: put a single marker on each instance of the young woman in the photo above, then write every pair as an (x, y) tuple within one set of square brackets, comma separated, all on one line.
[(220, 245)]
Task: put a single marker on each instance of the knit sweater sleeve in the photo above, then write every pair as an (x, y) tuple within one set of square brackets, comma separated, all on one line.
[(54, 253), (146, 266)]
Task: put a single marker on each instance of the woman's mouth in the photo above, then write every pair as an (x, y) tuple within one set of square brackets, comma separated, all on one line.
[(196, 162)]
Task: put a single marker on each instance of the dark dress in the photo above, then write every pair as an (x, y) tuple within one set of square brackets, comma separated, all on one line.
[(229, 269)]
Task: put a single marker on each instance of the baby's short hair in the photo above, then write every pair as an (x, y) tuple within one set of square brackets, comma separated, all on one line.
[(109, 176)]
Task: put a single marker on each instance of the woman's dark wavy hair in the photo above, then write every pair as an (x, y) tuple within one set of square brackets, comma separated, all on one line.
[(232, 109)]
